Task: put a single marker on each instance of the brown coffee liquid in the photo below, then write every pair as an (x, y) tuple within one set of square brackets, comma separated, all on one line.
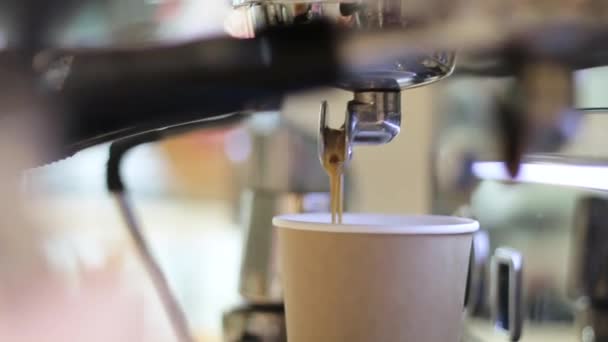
[(333, 163)]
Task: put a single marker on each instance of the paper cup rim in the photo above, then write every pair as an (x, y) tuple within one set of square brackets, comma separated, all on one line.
[(378, 224)]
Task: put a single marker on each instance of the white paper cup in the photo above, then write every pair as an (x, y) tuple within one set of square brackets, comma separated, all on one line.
[(374, 278)]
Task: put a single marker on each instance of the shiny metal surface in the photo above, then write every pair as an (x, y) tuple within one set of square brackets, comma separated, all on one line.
[(373, 117), (496, 15), (376, 48), (323, 125), (409, 70)]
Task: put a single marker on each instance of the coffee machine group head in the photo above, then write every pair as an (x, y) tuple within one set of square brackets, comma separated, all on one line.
[(373, 116)]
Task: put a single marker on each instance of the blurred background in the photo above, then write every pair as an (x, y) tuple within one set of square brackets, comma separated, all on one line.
[(188, 190)]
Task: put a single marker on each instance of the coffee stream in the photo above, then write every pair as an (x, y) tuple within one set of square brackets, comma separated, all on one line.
[(334, 155)]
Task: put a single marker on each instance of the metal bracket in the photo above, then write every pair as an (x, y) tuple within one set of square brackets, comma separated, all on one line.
[(506, 291)]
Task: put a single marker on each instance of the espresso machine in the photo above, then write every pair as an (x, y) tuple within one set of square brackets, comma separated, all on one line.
[(374, 49)]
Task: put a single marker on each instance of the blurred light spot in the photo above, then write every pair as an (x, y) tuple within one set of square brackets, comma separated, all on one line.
[(588, 334), (238, 24), (237, 145), (265, 123), (90, 252), (481, 243), (569, 122), (581, 176), (315, 201), (61, 256), (147, 169)]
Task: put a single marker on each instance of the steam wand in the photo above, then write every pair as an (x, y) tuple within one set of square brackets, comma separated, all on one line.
[(118, 149), (115, 184)]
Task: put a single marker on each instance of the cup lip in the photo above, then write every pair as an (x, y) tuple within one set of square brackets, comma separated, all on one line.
[(378, 224)]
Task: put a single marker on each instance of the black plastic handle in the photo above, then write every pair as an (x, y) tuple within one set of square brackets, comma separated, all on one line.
[(108, 95)]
